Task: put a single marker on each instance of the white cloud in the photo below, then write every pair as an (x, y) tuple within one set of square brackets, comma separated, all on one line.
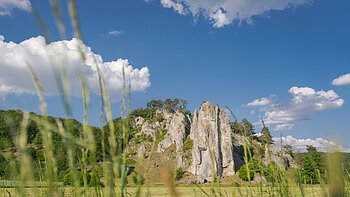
[(299, 145), (220, 18), (260, 102), (305, 102), (115, 33), (48, 58), (224, 12), (6, 6), (178, 7), (342, 80)]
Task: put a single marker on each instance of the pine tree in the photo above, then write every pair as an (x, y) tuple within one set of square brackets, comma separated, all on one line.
[(248, 128), (265, 137)]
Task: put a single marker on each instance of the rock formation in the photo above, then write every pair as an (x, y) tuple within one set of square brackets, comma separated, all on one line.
[(212, 153), (178, 127), (216, 150), (273, 154)]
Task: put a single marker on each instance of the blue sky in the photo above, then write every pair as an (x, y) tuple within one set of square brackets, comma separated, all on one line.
[(227, 55)]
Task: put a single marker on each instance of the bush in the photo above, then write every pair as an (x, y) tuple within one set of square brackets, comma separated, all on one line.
[(243, 174), (160, 134), (5, 170), (253, 167), (143, 138), (179, 173), (143, 112), (270, 172), (138, 179), (188, 144)]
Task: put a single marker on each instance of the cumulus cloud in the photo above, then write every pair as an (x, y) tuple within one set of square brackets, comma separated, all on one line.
[(224, 12), (178, 7), (299, 145), (342, 80), (305, 102), (6, 6), (48, 59)]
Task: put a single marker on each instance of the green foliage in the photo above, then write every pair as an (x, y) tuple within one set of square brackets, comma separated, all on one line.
[(171, 105), (179, 173), (244, 128), (288, 149), (146, 113), (155, 104), (271, 172), (243, 173), (248, 127), (138, 178), (313, 166), (265, 137), (4, 168), (237, 127), (253, 168), (143, 138), (160, 134), (311, 148), (188, 144)]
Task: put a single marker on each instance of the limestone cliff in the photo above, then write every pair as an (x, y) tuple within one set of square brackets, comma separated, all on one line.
[(215, 151), (212, 153), (178, 128)]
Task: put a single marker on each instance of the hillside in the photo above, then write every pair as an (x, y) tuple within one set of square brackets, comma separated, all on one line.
[(199, 147)]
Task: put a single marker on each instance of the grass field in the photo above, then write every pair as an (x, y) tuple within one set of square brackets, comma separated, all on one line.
[(189, 190)]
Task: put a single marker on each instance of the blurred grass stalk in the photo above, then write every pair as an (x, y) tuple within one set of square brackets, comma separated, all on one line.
[(115, 162), (335, 172)]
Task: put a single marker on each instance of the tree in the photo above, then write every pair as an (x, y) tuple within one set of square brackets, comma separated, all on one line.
[(236, 127), (288, 149), (180, 104), (155, 104), (248, 127), (266, 137), (313, 166), (311, 148)]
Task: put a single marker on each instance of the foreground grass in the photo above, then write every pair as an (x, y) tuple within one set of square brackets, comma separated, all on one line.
[(81, 151), (183, 190)]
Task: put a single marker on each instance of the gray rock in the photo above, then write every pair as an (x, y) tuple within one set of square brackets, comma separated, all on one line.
[(178, 130), (141, 150), (138, 121), (150, 128), (212, 143), (283, 160)]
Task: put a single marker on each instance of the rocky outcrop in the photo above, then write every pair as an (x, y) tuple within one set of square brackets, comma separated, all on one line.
[(212, 153), (214, 150), (178, 128), (274, 154)]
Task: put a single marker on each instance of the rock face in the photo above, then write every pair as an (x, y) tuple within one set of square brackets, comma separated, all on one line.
[(178, 126), (273, 154), (212, 152), (216, 150)]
